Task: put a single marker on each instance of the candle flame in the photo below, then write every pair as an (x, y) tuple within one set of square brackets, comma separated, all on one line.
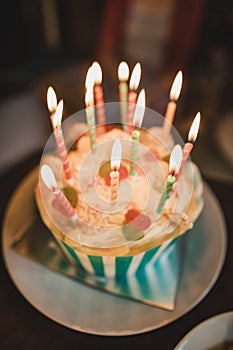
[(97, 72), (176, 86), (123, 71), (140, 109), (90, 77), (116, 155), (194, 128), (135, 77), (175, 160), (48, 176), (51, 100), (58, 115), (89, 97)]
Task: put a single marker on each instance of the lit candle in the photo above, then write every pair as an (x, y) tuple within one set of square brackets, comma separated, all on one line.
[(132, 97), (61, 147), (50, 181), (174, 166), (137, 122), (90, 78), (123, 76), (99, 94), (90, 114), (51, 101), (115, 165), (171, 106), (192, 136)]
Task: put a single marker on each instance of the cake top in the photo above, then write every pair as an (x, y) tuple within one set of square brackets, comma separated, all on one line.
[(132, 217)]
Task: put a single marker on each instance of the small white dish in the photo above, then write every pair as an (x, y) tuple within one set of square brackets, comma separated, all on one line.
[(216, 333)]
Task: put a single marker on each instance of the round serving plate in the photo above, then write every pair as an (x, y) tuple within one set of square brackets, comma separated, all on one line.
[(88, 310)]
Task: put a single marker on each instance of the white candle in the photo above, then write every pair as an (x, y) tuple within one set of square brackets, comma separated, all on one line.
[(90, 115), (171, 106), (115, 165), (123, 76), (50, 181), (99, 94), (137, 122), (132, 96), (61, 147)]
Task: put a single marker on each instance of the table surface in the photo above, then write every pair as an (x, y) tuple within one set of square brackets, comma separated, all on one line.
[(23, 327)]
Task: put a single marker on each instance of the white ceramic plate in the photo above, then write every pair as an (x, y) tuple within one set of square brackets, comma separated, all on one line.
[(214, 333), (91, 311)]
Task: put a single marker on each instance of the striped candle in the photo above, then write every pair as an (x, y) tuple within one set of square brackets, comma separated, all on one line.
[(114, 175), (115, 165), (134, 151), (166, 193), (174, 166), (123, 75), (90, 115), (60, 142), (137, 122), (50, 181), (99, 94), (191, 139), (132, 96)]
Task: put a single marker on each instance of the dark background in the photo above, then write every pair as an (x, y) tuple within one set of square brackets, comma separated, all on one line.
[(53, 42)]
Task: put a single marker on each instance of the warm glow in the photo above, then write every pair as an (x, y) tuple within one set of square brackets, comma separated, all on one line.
[(175, 159), (140, 109), (89, 97), (194, 128), (48, 176), (97, 72), (135, 77), (116, 155), (58, 115), (90, 78), (51, 100), (123, 71), (176, 86)]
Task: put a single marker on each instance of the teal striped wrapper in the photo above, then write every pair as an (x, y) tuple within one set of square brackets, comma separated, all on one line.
[(116, 267)]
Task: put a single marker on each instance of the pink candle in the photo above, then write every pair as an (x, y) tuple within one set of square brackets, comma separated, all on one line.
[(99, 94), (191, 139), (171, 106), (61, 147), (132, 97), (50, 181)]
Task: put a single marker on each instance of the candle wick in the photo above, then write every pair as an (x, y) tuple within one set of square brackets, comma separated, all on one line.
[(191, 141)]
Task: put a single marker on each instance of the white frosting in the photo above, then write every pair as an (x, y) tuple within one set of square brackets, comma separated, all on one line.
[(100, 220)]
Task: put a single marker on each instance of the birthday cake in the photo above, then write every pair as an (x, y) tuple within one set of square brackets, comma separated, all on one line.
[(110, 219)]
